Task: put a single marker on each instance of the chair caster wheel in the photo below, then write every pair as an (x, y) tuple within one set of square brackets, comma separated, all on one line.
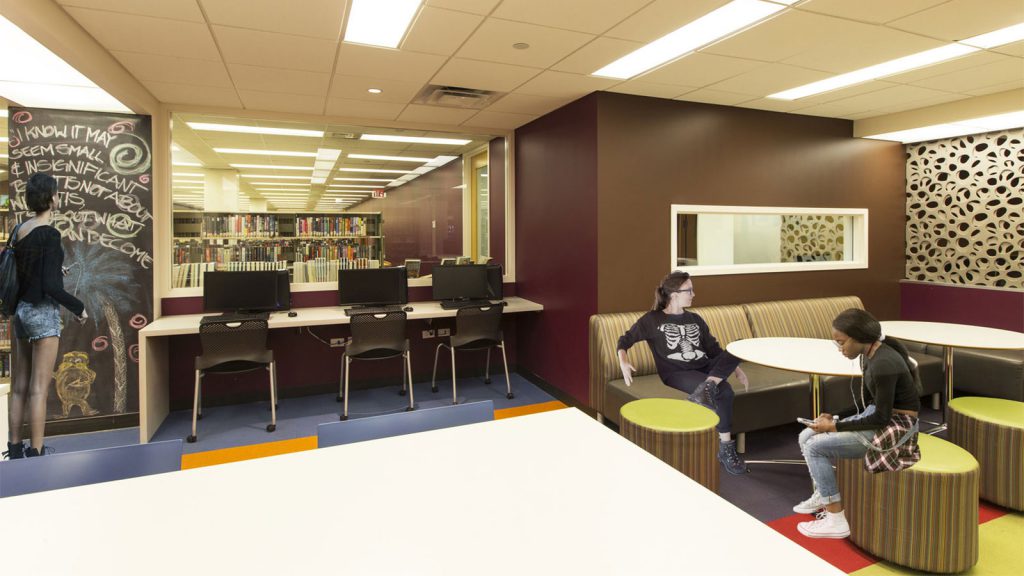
[(510, 395), (191, 439), (401, 392), (409, 408), (271, 427), (434, 389), (339, 398), (343, 418), (487, 380)]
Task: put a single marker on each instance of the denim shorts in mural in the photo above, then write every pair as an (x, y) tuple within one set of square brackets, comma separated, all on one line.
[(36, 321)]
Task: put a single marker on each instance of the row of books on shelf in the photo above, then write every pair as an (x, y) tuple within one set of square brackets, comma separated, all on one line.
[(314, 270), (185, 253), (5, 366), (324, 270), (5, 335), (333, 226), (335, 251), (191, 275), (241, 225)]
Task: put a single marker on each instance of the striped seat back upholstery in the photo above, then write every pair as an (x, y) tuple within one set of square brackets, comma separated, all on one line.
[(810, 318), (605, 330), (727, 323)]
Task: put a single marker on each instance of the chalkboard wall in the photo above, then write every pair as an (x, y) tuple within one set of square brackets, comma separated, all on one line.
[(103, 166)]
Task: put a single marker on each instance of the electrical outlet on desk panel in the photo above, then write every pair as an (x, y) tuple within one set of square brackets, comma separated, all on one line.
[(339, 342), (442, 332)]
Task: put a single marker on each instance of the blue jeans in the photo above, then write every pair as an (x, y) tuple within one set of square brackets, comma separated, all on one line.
[(820, 449), (38, 321)]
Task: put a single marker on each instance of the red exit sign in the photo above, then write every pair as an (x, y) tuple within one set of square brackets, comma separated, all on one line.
[(380, 193)]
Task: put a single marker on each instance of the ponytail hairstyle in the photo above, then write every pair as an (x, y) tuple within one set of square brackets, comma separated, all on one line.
[(669, 284), (865, 329)]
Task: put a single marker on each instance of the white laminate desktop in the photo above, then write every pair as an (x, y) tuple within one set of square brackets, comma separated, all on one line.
[(154, 396), (549, 493)]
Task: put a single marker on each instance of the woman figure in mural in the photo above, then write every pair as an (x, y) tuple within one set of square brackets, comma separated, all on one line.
[(883, 433), (37, 323), (688, 358)]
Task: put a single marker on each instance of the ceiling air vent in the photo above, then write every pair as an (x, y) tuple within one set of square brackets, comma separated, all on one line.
[(456, 97)]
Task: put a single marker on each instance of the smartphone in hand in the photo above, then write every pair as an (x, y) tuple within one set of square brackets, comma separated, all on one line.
[(805, 421)]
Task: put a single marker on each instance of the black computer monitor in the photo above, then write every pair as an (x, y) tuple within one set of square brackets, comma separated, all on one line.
[(373, 286), (248, 291), (284, 290), (494, 281), (467, 282)]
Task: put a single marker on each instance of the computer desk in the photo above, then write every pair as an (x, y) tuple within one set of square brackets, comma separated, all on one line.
[(154, 339), (549, 493)]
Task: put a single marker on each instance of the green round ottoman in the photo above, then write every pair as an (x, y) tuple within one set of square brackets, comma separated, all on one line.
[(682, 434), (924, 517), (992, 429)]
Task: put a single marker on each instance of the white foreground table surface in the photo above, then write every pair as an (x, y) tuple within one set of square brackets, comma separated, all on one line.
[(810, 355), (550, 493), (956, 335)]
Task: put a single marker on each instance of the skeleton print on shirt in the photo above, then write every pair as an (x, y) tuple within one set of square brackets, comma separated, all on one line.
[(682, 340)]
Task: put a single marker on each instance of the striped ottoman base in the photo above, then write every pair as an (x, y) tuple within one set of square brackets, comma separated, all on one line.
[(925, 517), (992, 430), (680, 433)]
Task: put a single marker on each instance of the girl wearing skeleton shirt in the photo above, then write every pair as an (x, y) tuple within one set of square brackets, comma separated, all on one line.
[(688, 358)]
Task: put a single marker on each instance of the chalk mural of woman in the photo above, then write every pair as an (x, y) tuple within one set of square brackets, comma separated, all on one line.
[(102, 279)]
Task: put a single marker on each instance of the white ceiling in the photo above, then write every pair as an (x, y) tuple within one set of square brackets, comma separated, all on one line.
[(269, 55)]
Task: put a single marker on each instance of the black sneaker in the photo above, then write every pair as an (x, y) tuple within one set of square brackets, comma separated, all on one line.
[(705, 394), (31, 452), (14, 451), (731, 459)]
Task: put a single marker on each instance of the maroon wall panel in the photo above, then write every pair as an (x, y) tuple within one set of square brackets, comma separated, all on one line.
[(989, 307), (556, 240), (496, 178)]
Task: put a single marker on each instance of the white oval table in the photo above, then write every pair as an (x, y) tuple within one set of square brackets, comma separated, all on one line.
[(814, 356), (951, 336)]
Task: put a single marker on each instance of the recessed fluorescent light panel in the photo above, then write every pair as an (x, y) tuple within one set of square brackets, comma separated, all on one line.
[(34, 76), (254, 129), (889, 68), (954, 129), (275, 177), (389, 158), (271, 167), (997, 37), (414, 139), (714, 25), (380, 22), (373, 170), (265, 152), (362, 179)]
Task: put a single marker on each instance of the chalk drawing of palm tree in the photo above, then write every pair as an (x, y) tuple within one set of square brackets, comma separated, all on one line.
[(103, 280)]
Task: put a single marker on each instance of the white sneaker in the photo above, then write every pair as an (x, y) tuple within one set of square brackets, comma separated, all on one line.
[(827, 525), (811, 505)]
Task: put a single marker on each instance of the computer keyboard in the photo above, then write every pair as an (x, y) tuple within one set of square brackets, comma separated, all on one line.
[(456, 304), (372, 310)]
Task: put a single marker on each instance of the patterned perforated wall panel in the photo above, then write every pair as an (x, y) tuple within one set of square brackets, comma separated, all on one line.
[(965, 210)]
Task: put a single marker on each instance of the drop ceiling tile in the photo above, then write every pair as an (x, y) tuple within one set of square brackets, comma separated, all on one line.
[(939, 98), (263, 79), (858, 45), (564, 85), (643, 88), (770, 105), (787, 34), (710, 96), (356, 60), (769, 79), (596, 55), (355, 88), (996, 88), (527, 104), (316, 18), (493, 42), (174, 70), (848, 92), (275, 50), (969, 61), (873, 11), (830, 110), (439, 31), (1007, 69), (661, 17), (483, 75), (363, 109), (1011, 49), (960, 19), (435, 114), (891, 98), (190, 94), (277, 102), (173, 9), (698, 69), (591, 16), (130, 33), (472, 6), (500, 120)]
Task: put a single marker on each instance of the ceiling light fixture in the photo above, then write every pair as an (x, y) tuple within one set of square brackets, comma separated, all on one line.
[(363, 179), (389, 158), (374, 90), (306, 184), (997, 37), (175, 163), (953, 129), (373, 170), (271, 167), (378, 23), (276, 177), (254, 129), (414, 139), (716, 24), (918, 60), (265, 152)]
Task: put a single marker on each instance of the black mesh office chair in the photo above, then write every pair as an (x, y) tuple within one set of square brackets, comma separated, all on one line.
[(377, 337), (232, 345), (476, 328)]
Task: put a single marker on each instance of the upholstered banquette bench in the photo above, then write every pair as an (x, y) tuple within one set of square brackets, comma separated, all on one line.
[(775, 396)]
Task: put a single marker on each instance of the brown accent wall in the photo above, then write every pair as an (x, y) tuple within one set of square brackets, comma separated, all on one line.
[(654, 153), (496, 182)]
